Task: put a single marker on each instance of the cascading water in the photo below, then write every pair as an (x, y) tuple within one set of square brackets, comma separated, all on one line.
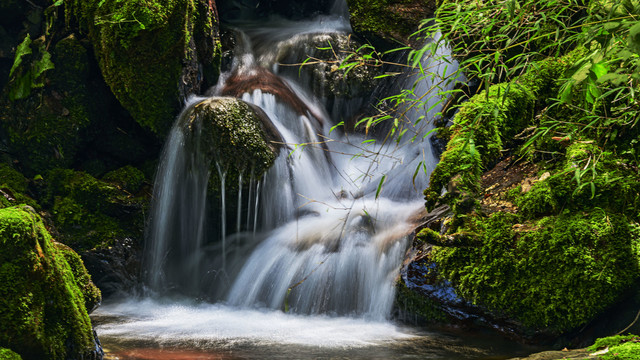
[(334, 228), (322, 233)]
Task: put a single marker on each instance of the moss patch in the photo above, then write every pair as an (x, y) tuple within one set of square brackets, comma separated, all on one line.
[(90, 213), (558, 273), (391, 21), (142, 47), (127, 178), (620, 347), (6, 354), (43, 313)]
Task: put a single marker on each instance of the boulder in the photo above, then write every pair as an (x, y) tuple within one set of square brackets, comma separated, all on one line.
[(389, 24), (238, 135), (42, 307), (153, 55)]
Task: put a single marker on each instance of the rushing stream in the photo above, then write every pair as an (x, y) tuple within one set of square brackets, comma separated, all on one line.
[(298, 263)]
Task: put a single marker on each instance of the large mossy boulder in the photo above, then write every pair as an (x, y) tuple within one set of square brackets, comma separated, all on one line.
[(43, 313), (152, 54), (389, 23)]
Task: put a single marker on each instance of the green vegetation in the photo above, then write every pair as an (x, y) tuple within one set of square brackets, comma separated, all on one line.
[(557, 274), (575, 235), (620, 347), (43, 310), (142, 47), (6, 354), (548, 83), (235, 133), (28, 68), (127, 178), (390, 20), (48, 128), (90, 213)]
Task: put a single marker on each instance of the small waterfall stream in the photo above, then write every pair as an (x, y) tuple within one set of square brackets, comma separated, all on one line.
[(308, 253)]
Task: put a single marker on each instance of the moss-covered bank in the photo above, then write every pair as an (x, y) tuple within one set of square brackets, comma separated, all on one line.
[(540, 172), (43, 309)]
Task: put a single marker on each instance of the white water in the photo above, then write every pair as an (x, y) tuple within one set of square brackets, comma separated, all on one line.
[(322, 235), (211, 325)]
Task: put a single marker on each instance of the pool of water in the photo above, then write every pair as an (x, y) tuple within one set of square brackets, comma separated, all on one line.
[(156, 329)]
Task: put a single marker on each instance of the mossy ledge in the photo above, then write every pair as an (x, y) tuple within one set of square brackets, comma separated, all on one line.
[(43, 309)]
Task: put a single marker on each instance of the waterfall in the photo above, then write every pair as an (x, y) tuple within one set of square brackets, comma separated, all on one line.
[(325, 229)]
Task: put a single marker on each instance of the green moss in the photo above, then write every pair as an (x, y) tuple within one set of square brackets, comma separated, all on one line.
[(12, 178), (390, 20), (590, 177), (621, 347), (13, 186), (83, 229), (141, 47), (538, 201), (232, 132), (610, 341), (462, 161), (91, 213), (128, 178), (6, 354), (48, 128), (42, 315), (90, 292), (557, 273)]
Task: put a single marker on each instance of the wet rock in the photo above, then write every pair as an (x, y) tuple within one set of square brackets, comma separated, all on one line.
[(388, 23), (115, 269)]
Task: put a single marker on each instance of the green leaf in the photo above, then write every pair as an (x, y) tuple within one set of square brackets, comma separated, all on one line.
[(22, 50), (22, 87), (58, 3), (341, 123), (565, 91), (599, 69), (380, 185), (40, 66)]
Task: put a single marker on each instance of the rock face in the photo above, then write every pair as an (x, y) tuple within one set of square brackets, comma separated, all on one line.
[(389, 23), (152, 54), (42, 296)]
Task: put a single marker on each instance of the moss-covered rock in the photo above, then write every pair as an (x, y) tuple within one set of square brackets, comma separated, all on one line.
[(618, 347), (487, 125), (388, 23), (556, 274), (149, 52), (90, 292), (43, 310), (90, 213), (48, 126), (128, 178), (13, 188), (237, 135), (6, 354)]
